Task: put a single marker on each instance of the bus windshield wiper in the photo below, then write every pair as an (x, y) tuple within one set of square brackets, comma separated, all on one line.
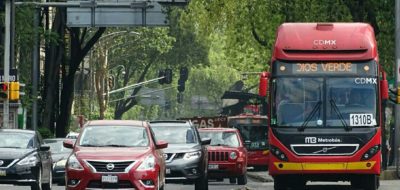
[(333, 104), (310, 116)]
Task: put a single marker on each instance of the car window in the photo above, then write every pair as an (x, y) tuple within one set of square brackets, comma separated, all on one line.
[(16, 140), (221, 138), (118, 136), (175, 134), (56, 146)]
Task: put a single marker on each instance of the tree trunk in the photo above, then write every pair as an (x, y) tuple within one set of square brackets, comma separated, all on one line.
[(54, 58)]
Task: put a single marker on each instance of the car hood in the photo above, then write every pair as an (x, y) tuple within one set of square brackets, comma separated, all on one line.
[(221, 148), (14, 153), (178, 148), (111, 153)]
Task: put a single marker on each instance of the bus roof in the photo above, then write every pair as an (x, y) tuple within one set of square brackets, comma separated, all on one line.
[(325, 42)]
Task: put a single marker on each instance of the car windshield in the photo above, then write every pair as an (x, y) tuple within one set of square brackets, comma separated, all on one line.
[(221, 138), (255, 137), (114, 136), (175, 134), (56, 146), (330, 102), (16, 140)]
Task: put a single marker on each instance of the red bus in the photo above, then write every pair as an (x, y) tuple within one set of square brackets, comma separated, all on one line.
[(254, 132), (325, 115)]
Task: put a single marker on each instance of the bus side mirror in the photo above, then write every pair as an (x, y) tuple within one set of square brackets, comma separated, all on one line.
[(263, 86), (384, 89)]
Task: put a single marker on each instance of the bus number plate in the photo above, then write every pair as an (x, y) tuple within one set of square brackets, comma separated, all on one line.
[(362, 120)]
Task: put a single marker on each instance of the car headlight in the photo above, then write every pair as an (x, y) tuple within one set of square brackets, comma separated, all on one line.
[(29, 161), (73, 163), (147, 163), (61, 163), (192, 155), (233, 155)]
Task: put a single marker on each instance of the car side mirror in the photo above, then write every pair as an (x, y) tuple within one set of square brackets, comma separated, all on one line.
[(205, 141), (68, 143), (44, 148), (161, 144)]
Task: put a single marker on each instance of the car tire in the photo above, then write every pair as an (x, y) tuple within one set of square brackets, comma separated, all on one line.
[(242, 180), (201, 183), (38, 184), (232, 180), (47, 186)]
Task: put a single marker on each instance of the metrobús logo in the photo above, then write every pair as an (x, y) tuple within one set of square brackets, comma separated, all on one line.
[(314, 140)]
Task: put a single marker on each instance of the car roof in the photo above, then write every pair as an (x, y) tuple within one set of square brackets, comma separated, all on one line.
[(136, 123), (218, 129), (18, 131), (171, 123), (55, 139)]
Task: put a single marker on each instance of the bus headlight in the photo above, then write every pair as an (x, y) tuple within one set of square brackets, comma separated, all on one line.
[(371, 152), (278, 153)]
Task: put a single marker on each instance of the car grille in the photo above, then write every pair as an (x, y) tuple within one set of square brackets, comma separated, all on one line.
[(6, 162), (101, 166), (324, 149), (218, 156), (120, 184)]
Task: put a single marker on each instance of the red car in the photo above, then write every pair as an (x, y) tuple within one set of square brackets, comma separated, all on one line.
[(227, 155), (115, 154)]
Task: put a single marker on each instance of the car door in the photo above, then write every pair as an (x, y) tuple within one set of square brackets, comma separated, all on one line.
[(45, 158)]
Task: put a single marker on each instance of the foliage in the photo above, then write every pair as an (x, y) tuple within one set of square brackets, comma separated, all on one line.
[(45, 132)]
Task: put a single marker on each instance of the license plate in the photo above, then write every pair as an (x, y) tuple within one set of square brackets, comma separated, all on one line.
[(362, 120), (213, 166), (167, 171), (109, 179), (3, 173)]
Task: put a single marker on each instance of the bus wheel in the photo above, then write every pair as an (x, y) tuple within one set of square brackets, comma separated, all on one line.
[(371, 182), (279, 183)]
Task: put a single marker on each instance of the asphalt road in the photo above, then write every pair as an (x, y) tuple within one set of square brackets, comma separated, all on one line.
[(252, 185)]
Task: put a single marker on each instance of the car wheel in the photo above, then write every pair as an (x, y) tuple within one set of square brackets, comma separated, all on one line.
[(232, 180), (201, 183), (38, 184), (47, 186), (242, 180)]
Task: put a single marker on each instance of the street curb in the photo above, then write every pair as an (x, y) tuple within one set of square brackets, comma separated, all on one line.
[(388, 175), (259, 178)]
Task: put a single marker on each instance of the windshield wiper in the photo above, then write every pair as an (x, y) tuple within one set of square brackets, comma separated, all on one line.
[(333, 104), (310, 116), (91, 145), (116, 145)]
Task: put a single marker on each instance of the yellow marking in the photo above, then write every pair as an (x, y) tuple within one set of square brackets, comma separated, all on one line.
[(325, 166)]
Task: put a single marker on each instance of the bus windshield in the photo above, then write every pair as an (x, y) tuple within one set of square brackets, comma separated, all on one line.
[(328, 101)]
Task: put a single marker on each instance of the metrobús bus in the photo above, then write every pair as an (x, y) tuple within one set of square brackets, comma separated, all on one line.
[(325, 115), (254, 132)]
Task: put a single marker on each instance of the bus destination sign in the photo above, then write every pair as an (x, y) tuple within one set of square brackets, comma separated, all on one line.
[(328, 67)]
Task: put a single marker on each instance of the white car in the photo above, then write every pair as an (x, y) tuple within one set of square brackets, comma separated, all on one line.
[(72, 135)]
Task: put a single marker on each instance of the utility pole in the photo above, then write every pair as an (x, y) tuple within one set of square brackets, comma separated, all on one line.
[(7, 46), (397, 71)]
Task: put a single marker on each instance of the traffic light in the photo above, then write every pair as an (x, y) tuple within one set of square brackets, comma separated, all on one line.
[(161, 73), (3, 90), (183, 76), (184, 73), (181, 85), (396, 93), (14, 90), (168, 76)]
